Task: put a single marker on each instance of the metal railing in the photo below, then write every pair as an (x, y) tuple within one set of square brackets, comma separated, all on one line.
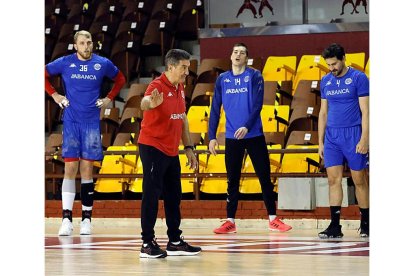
[(196, 175)]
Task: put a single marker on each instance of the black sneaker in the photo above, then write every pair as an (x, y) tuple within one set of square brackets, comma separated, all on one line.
[(364, 229), (333, 231), (182, 249), (152, 250)]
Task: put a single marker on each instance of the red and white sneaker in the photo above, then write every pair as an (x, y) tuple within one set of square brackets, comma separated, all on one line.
[(278, 225), (226, 228)]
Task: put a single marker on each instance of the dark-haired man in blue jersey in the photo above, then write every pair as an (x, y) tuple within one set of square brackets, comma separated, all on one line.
[(240, 91), (82, 73), (344, 135)]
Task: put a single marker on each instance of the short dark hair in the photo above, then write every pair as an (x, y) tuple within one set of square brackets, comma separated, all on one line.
[(174, 56), (334, 50), (243, 45)]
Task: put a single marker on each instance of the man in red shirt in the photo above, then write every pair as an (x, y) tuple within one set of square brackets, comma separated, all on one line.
[(164, 123)]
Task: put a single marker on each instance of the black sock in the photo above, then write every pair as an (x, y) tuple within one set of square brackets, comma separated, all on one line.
[(87, 214), (364, 214), (335, 215), (66, 213), (87, 190)]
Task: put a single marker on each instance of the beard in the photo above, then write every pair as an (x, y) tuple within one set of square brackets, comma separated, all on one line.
[(85, 55), (337, 72)]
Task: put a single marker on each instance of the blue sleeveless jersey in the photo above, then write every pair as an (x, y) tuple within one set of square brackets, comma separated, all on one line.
[(82, 82), (342, 95), (242, 99)]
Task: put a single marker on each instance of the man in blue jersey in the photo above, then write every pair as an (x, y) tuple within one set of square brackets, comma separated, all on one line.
[(343, 135), (240, 91), (82, 73)]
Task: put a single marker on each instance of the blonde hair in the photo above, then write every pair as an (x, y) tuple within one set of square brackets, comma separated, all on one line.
[(82, 32)]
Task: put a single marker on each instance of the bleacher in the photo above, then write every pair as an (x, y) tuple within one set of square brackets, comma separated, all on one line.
[(133, 34)]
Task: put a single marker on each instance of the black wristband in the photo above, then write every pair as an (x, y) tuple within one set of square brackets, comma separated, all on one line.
[(189, 147)]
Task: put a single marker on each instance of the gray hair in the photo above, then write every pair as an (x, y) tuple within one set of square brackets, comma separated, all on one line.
[(174, 56)]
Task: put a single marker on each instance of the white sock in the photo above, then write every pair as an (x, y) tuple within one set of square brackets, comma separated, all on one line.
[(272, 217), (67, 200), (68, 193), (231, 220)]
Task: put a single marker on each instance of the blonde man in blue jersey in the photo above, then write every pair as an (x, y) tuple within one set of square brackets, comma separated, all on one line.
[(241, 91), (82, 74), (344, 135)]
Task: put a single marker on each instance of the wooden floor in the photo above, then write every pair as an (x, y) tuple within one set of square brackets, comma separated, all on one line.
[(114, 250)]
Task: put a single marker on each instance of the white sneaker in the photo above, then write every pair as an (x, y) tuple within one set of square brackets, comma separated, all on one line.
[(85, 227), (66, 228)]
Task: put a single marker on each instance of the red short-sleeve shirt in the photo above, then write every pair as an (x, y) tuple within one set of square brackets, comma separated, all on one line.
[(162, 126)]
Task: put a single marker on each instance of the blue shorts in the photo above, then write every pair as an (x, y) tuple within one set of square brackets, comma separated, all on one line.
[(340, 146), (82, 140)]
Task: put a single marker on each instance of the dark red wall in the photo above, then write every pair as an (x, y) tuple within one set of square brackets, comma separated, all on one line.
[(194, 209), (285, 45)]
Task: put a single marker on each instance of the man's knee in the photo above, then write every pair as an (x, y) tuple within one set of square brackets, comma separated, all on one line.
[(360, 178), (71, 168)]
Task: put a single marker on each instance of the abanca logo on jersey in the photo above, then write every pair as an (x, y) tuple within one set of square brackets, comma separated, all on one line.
[(236, 90), (83, 77), (176, 116), (337, 92)]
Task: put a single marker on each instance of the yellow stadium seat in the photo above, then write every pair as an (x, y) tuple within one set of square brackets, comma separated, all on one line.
[(222, 122), (187, 184), (297, 162), (198, 119), (355, 60), (310, 67), (282, 111), (251, 185), (136, 185), (274, 158), (308, 61), (213, 164), (367, 68), (279, 68), (116, 164), (275, 165), (268, 118)]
